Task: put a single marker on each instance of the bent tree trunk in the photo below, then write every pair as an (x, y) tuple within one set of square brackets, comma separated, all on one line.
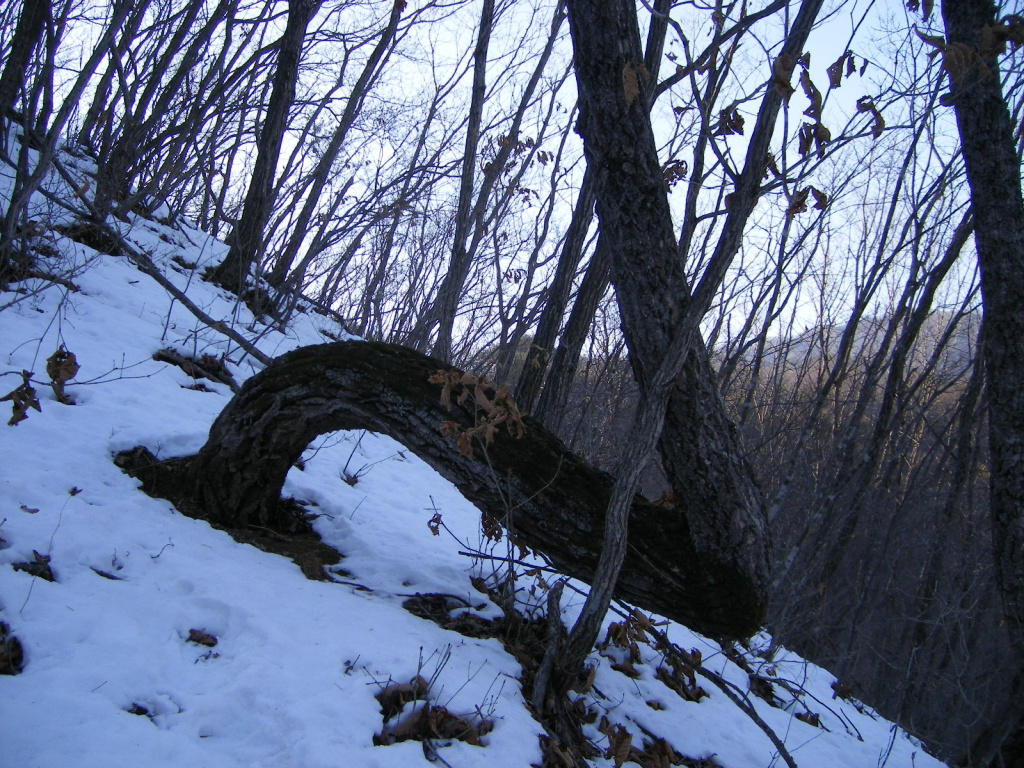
[(548, 497)]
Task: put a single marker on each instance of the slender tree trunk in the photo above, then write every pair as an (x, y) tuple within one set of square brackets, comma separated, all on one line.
[(551, 404), (448, 295), (27, 182), (321, 174), (246, 240), (537, 359), (993, 172), (543, 353), (27, 35), (470, 223)]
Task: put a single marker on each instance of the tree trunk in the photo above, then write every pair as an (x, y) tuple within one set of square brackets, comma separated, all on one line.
[(993, 173), (322, 173), (448, 295), (246, 239), (27, 35), (540, 353), (548, 497)]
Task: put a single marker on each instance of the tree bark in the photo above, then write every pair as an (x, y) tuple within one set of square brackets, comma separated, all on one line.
[(554, 501), (993, 173), (246, 239), (27, 35)]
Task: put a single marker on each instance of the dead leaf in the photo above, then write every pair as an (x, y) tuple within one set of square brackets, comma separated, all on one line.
[(61, 367), (395, 696), (631, 74), (22, 398), (627, 669), (782, 71), (866, 104), (835, 70), (39, 567), (798, 203), (199, 637), (763, 689), (813, 95), (820, 199), (730, 122), (810, 718), (619, 743)]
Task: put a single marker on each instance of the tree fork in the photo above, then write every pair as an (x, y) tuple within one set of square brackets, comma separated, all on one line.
[(555, 500)]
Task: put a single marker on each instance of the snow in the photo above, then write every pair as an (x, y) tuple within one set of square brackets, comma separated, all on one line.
[(297, 663)]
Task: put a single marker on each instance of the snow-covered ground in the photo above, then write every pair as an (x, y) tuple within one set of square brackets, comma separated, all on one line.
[(111, 677)]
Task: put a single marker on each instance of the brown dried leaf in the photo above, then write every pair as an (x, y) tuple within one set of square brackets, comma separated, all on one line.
[(799, 202), (482, 400), (586, 683), (810, 718), (61, 367), (199, 637), (782, 71), (763, 689), (835, 70), (619, 743), (631, 74), (813, 95), (805, 138), (866, 104), (490, 526), (555, 755), (434, 524), (730, 122), (627, 669), (820, 199), (395, 696), (821, 137), (22, 398), (938, 42)]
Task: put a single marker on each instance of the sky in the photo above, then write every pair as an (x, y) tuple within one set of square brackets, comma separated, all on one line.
[(161, 641)]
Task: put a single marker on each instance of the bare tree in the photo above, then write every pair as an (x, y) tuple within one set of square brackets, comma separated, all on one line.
[(246, 239), (974, 40)]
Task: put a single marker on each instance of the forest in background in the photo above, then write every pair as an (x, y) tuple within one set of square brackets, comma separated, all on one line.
[(416, 170)]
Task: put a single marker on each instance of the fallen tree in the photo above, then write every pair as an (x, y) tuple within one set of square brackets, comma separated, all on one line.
[(544, 495)]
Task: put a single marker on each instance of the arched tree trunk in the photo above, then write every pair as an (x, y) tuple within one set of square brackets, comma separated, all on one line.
[(548, 497)]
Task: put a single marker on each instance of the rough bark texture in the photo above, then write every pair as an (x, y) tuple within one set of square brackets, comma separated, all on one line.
[(27, 35), (699, 448), (993, 172), (557, 500)]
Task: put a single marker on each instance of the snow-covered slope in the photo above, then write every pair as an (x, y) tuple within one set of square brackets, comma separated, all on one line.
[(118, 665)]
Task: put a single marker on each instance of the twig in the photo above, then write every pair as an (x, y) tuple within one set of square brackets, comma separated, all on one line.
[(749, 710), (552, 647)]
